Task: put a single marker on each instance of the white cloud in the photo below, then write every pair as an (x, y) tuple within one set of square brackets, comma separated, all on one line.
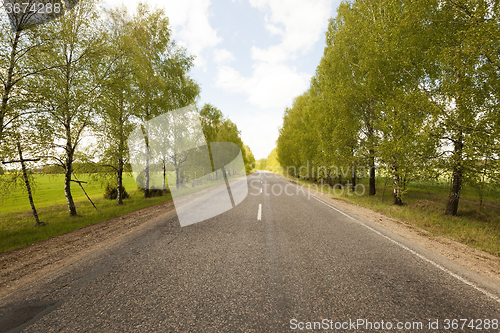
[(273, 29), (270, 86), (189, 20), (274, 84), (195, 28), (223, 56), (274, 54), (191, 26), (230, 79), (300, 23)]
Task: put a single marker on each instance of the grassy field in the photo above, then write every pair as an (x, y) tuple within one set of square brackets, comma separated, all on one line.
[(424, 206), (17, 222), (49, 190)]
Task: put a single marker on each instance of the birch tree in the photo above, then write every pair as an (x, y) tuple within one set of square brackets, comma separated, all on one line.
[(71, 91), (466, 54), (115, 104), (160, 71), (20, 50)]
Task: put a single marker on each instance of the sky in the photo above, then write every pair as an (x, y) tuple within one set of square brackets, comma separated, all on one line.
[(253, 57)]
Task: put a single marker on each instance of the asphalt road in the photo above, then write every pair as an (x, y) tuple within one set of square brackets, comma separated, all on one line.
[(303, 261)]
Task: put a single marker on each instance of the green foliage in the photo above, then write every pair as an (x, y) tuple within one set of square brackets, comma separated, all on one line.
[(89, 72), (159, 68), (49, 169), (12, 183), (261, 164), (408, 88), (219, 129), (152, 192), (111, 192), (19, 52), (96, 72), (249, 159), (273, 163)]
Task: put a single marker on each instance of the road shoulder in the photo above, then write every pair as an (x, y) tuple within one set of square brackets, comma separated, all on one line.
[(25, 265), (480, 262)]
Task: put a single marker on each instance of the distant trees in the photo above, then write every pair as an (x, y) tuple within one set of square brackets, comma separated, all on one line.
[(249, 159), (217, 128), (211, 122), (272, 161), (410, 87), (261, 164)]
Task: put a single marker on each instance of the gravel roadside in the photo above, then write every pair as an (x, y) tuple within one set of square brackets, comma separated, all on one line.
[(22, 266), (483, 263)]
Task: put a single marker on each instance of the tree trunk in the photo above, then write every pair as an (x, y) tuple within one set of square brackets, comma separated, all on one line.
[(28, 187), (8, 83), (396, 184), (68, 170), (177, 182), (228, 187), (119, 183), (68, 163), (457, 175), (145, 133), (353, 178), (164, 175), (481, 187), (83, 190), (147, 193), (372, 189), (121, 147), (371, 152)]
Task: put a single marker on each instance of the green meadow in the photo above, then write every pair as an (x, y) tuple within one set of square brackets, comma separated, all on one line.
[(49, 190), (16, 219)]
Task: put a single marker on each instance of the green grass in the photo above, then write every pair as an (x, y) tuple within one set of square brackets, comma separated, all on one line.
[(17, 222), (424, 206), (49, 190)]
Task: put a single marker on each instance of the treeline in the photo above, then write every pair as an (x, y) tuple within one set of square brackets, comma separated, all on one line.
[(409, 88), (92, 73), (261, 164), (218, 128)]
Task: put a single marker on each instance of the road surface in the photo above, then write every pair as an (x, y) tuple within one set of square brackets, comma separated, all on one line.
[(274, 263)]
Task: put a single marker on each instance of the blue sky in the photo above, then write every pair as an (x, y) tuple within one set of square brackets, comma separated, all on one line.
[(252, 56)]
